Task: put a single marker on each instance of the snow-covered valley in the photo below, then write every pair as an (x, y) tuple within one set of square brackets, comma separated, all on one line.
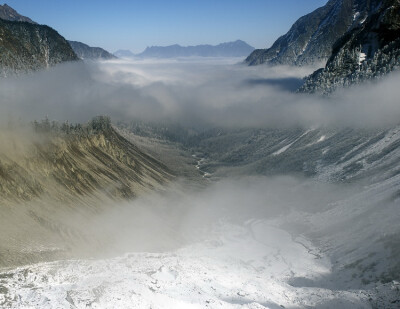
[(289, 201), (248, 266), (244, 245)]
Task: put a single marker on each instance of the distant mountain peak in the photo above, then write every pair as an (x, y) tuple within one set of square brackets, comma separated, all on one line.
[(124, 53), (236, 48), (8, 13)]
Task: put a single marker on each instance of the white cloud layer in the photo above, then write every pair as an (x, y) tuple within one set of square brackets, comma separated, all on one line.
[(194, 92)]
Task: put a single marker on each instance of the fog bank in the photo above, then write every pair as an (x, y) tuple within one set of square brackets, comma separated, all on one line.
[(194, 92)]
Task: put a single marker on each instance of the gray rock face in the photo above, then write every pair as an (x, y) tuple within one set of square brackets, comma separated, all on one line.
[(84, 51), (368, 51), (26, 46), (311, 38), (8, 13), (230, 49)]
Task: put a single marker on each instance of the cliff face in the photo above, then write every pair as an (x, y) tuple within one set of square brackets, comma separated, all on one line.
[(368, 51), (311, 38)]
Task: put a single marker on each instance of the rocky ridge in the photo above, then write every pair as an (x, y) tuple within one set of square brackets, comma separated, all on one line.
[(56, 178), (8, 13), (358, 39), (367, 52), (310, 39), (85, 52)]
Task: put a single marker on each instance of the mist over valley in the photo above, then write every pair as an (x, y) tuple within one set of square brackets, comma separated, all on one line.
[(194, 181)]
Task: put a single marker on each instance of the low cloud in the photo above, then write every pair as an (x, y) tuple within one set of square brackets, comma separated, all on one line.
[(194, 92), (182, 215)]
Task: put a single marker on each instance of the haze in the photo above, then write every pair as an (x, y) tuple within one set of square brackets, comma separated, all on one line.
[(200, 182), (207, 93)]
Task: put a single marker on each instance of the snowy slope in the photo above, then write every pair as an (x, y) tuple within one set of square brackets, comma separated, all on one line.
[(330, 155)]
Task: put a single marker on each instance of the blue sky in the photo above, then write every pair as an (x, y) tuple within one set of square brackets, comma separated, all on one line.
[(130, 24)]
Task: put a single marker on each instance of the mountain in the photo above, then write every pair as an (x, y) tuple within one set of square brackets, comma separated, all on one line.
[(230, 49), (84, 51), (26, 46), (311, 38), (8, 13), (358, 39), (62, 170), (368, 51), (124, 53)]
